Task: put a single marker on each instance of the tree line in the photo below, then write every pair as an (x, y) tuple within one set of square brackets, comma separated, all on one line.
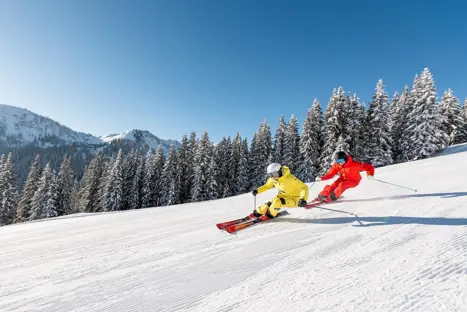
[(412, 125)]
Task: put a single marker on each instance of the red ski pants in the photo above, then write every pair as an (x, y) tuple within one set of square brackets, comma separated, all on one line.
[(336, 189)]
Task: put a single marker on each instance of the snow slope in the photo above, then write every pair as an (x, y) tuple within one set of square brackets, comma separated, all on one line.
[(409, 255)]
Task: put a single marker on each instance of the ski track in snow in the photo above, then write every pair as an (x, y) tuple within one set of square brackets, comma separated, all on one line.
[(409, 255)]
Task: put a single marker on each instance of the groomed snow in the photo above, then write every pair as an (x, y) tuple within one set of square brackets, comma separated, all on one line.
[(410, 254)]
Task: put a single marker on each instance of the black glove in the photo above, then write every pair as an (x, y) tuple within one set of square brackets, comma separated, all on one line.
[(255, 192), (302, 203)]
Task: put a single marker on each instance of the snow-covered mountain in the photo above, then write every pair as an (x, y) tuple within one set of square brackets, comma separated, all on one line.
[(20, 127), (143, 139), (409, 253)]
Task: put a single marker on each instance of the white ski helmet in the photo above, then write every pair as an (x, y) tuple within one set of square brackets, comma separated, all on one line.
[(274, 170)]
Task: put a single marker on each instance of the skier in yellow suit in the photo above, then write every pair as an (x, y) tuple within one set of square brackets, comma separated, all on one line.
[(292, 192)]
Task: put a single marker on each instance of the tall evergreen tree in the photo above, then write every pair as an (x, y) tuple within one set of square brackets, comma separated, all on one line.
[(355, 127), (171, 179), (92, 184), (279, 142), (292, 156), (135, 199), (229, 167), (25, 204), (129, 167), (149, 196), (65, 187), (113, 194), (202, 172), (425, 134), (337, 137), (242, 180), (235, 158), (213, 188), (44, 201), (9, 192), (453, 123), (185, 164), (399, 111), (464, 114), (253, 161), (262, 154), (379, 127), (310, 143)]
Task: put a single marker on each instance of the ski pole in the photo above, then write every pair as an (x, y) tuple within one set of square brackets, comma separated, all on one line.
[(311, 185), (342, 211), (395, 185)]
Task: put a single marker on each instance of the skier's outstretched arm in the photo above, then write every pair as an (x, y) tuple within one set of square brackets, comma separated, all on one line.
[(268, 185), (331, 173), (370, 170)]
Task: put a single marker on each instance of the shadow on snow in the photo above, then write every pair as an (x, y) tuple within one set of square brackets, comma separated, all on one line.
[(375, 221), (441, 195)]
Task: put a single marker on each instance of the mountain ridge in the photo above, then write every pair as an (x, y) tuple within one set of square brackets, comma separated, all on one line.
[(20, 127)]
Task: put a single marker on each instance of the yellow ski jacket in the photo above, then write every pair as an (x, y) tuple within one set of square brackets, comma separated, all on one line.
[(288, 185)]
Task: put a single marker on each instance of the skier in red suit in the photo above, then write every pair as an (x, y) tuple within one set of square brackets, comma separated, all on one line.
[(349, 176)]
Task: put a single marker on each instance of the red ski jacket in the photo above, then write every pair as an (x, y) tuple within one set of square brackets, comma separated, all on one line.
[(350, 171)]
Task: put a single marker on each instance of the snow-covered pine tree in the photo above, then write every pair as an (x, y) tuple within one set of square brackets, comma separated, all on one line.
[(253, 161), (203, 158), (242, 179), (113, 194), (464, 114), (94, 177), (171, 179), (453, 123), (311, 143), (149, 181), (279, 142), (357, 129), (379, 128), (137, 184), (190, 175), (213, 176), (363, 152), (217, 169), (336, 136), (9, 192), (129, 168), (292, 156), (44, 201), (185, 169), (2, 164), (160, 161), (75, 195), (262, 154), (399, 111), (425, 134), (65, 187), (230, 166), (236, 152), (25, 204)]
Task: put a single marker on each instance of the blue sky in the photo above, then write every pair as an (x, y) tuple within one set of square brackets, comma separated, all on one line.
[(179, 66)]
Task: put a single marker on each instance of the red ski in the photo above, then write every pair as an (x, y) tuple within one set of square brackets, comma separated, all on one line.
[(223, 225), (240, 226), (317, 202)]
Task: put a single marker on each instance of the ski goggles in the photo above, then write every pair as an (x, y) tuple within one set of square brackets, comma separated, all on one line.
[(274, 174), (340, 160)]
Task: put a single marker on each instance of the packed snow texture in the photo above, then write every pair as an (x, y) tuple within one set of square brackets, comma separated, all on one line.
[(410, 254)]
